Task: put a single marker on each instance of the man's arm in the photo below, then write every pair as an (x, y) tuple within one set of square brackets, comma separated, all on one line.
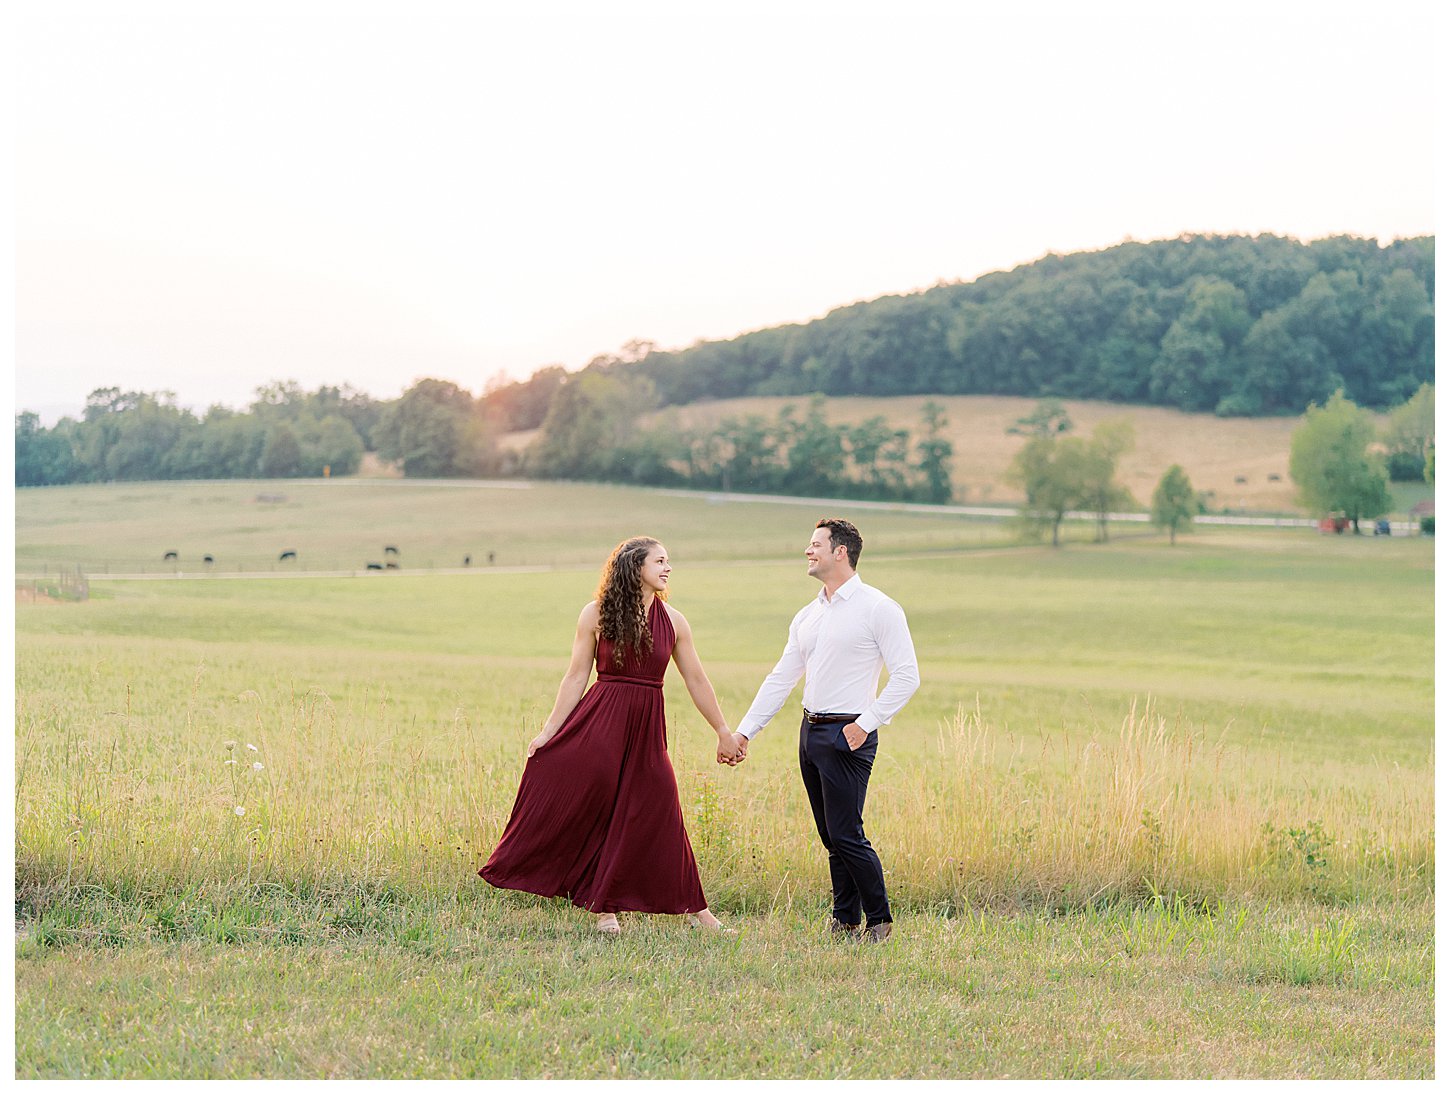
[(777, 685), (893, 638)]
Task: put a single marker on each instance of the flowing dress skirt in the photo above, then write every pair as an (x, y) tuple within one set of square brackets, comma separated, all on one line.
[(597, 818)]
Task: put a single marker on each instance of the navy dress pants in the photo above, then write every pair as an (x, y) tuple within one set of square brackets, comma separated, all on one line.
[(835, 779)]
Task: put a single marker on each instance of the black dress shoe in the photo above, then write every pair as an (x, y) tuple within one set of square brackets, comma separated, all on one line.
[(876, 933)]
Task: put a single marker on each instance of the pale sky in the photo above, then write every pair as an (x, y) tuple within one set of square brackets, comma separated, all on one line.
[(205, 204)]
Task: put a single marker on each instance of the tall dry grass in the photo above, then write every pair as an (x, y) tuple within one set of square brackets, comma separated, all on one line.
[(300, 795)]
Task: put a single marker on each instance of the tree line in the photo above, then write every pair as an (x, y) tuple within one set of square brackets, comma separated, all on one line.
[(594, 427), (1234, 325)]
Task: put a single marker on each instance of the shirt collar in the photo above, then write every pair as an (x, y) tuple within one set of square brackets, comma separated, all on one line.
[(847, 588)]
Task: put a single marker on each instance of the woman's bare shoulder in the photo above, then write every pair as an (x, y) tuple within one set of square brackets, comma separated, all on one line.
[(676, 616), (590, 615)]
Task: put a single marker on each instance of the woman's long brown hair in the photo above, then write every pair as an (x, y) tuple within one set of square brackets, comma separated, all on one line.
[(622, 616)]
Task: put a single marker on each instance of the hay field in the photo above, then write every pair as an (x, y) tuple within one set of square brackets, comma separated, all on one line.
[(1214, 451)]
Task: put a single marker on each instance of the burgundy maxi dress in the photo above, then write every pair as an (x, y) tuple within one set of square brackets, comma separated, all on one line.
[(597, 818)]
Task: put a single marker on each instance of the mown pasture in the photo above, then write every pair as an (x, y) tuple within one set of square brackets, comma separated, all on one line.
[(1156, 811)]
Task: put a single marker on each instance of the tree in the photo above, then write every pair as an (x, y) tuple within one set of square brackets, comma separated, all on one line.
[(1101, 491), (590, 420), (433, 431), (1410, 436), (1174, 502), (1330, 462), (815, 451), (1198, 356), (281, 453), (935, 452), (1052, 472), (42, 457)]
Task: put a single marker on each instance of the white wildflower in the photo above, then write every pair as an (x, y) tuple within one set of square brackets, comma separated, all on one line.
[(256, 766), (229, 762), (252, 747), (239, 811)]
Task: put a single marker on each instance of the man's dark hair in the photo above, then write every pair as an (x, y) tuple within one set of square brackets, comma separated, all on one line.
[(843, 534)]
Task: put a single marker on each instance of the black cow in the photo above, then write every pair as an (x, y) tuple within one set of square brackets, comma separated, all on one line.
[(375, 566), (390, 550), (169, 557), (208, 560), (286, 555), (392, 565), (467, 560)]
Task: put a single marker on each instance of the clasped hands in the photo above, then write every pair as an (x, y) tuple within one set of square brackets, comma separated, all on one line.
[(731, 748)]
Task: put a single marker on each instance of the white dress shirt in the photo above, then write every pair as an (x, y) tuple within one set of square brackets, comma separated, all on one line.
[(841, 645)]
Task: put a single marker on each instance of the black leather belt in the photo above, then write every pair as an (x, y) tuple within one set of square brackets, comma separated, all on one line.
[(812, 717)]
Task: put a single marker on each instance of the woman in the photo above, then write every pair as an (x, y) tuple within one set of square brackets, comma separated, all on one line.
[(597, 817)]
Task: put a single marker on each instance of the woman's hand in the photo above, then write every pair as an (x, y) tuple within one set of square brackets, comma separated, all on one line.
[(730, 747), (545, 736)]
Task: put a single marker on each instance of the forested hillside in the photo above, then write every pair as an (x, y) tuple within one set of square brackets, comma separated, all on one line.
[(1232, 324)]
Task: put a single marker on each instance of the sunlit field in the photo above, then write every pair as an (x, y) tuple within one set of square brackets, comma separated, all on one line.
[(1155, 811)]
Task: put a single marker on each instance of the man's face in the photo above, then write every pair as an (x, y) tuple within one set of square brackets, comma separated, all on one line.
[(821, 560), (654, 575)]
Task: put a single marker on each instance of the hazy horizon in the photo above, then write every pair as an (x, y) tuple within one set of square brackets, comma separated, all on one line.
[(209, 204)]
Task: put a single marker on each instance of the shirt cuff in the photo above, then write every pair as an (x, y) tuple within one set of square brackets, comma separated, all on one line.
[(868, 721)]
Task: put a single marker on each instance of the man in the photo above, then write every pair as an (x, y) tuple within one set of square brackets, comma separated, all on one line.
[(840, 641)]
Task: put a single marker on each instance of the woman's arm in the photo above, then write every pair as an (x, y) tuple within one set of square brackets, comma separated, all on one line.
[(576, 678), (702, 692)]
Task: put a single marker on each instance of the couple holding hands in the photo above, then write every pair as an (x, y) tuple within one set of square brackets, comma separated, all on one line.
[(597, 818)]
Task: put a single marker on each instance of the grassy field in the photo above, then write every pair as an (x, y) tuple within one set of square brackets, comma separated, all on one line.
[(1154, 812), (341, 525)]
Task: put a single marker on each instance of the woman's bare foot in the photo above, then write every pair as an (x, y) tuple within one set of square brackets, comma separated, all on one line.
[(608, 924), (706, 919)]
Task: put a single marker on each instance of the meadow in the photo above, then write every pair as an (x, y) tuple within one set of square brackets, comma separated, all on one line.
[(1155, 812)]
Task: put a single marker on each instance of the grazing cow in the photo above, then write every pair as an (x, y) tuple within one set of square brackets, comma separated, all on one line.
[(1274, 478), (390, 550), (208, 560), (467, 559), (375, 566), (392, 565), (169, 557), (286, 555), (1240, 479)]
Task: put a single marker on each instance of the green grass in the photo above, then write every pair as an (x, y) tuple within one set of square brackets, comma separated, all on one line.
[(341, 525), (514, 989), (1155, 811)]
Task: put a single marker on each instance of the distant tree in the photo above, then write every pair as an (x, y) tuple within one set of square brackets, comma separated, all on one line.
[(1053, 474), (815, 450), (433, 432), (1198, 357), (1410, 436), (1330, 462), (935, 455), (281, 453), (335, 446), (590, 420), (522, 405), (1174, 502), (43, 456), (1101, 491)]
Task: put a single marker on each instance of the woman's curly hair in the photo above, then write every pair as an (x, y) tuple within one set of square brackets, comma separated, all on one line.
[(623, 619)]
